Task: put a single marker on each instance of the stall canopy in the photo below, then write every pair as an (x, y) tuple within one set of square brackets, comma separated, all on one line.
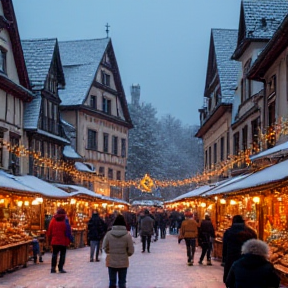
[(8, 182), (271, 175), (76, 190), (279, 149)]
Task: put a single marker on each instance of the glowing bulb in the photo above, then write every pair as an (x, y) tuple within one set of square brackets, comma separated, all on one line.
[(72, 201), (203, 204), (19, 203), (233, 202), (256, 200), (26, 203), (222, 201)]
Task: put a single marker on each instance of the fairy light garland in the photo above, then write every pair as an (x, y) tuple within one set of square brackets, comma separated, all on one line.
[(268, 137)]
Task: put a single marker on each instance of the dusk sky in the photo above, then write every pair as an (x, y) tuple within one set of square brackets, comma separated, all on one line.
[(160, 44)]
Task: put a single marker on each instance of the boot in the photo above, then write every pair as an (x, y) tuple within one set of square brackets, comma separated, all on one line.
[(53, 270), (209, 262), (61, 264)]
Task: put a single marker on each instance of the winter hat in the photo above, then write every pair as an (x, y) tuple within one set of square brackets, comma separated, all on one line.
[(61, 211), (119, 221), (256, 247), (237, 219), (146, 212)]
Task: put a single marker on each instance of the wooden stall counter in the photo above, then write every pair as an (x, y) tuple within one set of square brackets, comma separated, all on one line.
[(13, 256), (80, 238), (217, 249)]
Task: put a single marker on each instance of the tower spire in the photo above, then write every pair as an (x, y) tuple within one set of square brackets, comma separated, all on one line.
[(107, 29)]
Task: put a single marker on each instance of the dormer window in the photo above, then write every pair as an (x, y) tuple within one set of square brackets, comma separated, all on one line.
[(106, 105), (105, 79), (3, 60), (93, 102)]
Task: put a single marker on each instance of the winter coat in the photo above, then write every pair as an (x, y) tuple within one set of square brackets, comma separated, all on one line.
[(146, 226), (189, 229), (96, 228), (118, 245), (233, 239), (206, 232), (57, 231), (252, 271)]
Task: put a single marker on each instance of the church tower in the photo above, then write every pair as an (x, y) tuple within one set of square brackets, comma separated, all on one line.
[(135, 94)]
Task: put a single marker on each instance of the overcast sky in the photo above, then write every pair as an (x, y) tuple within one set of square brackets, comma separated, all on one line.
[(160, 44)]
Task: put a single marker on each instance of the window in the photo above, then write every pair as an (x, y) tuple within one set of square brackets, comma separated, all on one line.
[(105, 79), (215, 153), (93, 102), (255, 135), (228, 144), (101, 171), (106, 105), (115, 145), (92, 140), (110, 173), (246, 83), (1, 147), (105, 142), (210, 158), (236, 143), (14, 160), (245, 138), (271, 86), (206, 159), (2, 60), (222, 141), (118, 176), (123, 147)]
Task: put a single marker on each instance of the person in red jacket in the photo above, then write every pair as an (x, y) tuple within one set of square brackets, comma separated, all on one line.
[(57, 236)]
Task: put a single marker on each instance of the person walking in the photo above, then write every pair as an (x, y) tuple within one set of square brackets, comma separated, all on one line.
[(253, 269), (146, 228), (96, 231), (189, 232), (56, 234), (206, 234), (233, 239), (118, 245)]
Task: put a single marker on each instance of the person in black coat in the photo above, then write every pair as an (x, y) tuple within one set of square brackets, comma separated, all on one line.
[(206, 234), (233, 239), (96, 232), (253, 270)]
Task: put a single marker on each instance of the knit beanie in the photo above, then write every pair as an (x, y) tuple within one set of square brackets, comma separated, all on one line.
[(119, 221), (61, 211)]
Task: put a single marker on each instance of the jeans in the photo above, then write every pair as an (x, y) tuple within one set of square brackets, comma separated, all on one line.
[(146, 238), (190, 247), (206, 248), (122, 272), (94, 244), (56, 250)]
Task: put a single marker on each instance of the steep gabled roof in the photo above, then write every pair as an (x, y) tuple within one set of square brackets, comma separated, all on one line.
[(39, 54), (80, 59), (277, 44), (259, 19), (32, 112), (10, 22), (224, 41)]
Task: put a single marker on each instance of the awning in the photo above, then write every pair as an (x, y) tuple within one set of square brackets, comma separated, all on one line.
[(85, 167), (69, 152), (76, 190), (272, 174), (272, 151)]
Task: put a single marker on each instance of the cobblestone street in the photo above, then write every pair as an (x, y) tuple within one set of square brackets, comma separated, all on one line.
[(165, 267)]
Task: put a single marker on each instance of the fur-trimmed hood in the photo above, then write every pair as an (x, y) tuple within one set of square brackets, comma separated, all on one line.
[(255, 247)]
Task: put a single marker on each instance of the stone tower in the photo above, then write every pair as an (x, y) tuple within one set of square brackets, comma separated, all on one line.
[(135, 94)]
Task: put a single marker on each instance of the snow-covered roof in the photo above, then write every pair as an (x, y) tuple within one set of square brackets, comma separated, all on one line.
[(30, 184), (272, 174), (83, 167), (7, 181), (147, 203), (80, 68), (269, 152), (40, 186), (78, 190), (69, 152)]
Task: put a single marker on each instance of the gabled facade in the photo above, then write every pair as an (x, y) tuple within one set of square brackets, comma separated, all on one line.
[(45, 135), (94, 103), (14, 90), (258, 21), (221, 81), (271, 68)]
